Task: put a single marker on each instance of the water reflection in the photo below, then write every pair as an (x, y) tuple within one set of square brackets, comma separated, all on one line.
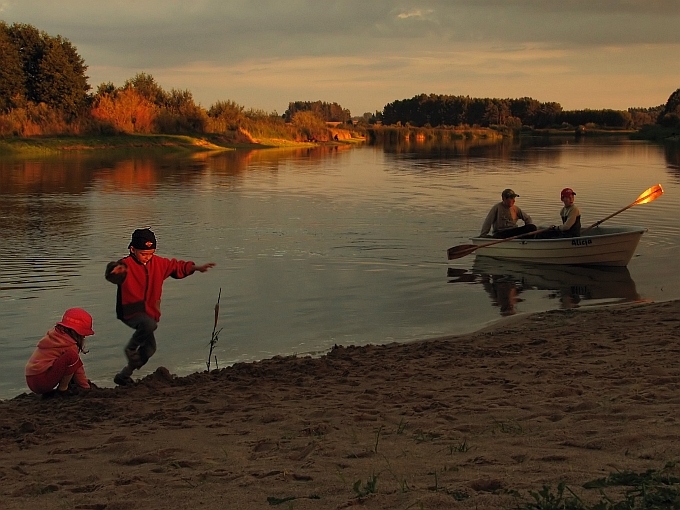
[(446, 154), (672, 154), (573, 286), (141, 171)]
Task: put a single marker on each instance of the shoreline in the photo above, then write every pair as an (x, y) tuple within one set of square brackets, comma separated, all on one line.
[(470, 421), (169, 143)]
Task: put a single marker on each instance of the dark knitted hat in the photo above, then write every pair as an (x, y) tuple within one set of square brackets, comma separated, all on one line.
[(143, 239)]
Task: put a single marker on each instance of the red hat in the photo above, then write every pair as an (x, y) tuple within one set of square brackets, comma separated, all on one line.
[(78, 320), (565, 192)]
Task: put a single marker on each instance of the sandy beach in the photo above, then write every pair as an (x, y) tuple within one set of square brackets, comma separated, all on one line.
[(473, 421)]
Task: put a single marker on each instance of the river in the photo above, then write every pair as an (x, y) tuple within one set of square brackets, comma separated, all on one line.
[(314, 247)]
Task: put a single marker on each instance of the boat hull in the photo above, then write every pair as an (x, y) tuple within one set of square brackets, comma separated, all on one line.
[(602, 246)]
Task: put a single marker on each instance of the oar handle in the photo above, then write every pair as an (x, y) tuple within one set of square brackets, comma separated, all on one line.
[(513, 237), (597, 223), (457, 252)]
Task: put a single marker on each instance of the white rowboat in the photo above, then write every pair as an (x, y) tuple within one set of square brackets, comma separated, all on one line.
[(599, 246)]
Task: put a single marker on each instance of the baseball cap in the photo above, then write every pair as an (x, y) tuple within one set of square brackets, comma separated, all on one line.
[(143, 239), (508, 193), (78, 320), (566, 191)]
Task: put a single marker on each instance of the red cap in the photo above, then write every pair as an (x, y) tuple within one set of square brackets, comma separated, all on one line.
[(78, 320), (565, 192)]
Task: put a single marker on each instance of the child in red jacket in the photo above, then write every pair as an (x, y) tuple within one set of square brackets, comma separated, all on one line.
[(56, 359), (140, 277)]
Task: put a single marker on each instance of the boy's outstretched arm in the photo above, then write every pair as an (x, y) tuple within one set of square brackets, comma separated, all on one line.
[(116, 272), (204, 267)]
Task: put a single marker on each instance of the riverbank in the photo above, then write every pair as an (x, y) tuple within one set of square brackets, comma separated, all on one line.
[(166, 143), (475, 421)]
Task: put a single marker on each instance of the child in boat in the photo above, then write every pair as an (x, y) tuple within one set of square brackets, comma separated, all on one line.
[(571, 218), (139, 277), (56, 360)]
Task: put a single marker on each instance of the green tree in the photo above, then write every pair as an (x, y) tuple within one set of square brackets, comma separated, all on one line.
[(328, 112), (145, 85), (29, 44), (12, 90), (105, 88), (52, 70), (670, 116), (227, 113), (181, 114), (61, 81)]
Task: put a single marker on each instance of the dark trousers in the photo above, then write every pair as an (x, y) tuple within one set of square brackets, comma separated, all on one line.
[(142, 345), (512, 232)]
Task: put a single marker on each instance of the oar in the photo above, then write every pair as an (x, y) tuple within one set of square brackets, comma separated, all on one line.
[(462, 250), (649, 195)]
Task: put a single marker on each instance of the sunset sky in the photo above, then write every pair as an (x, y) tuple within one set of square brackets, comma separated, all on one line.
[(363, 54)]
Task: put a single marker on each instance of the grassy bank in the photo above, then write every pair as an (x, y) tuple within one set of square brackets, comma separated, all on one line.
[(52, 145), (658, 133), (166, 143)]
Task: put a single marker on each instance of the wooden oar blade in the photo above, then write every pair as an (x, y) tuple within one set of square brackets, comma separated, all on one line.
[(462, 250), (650, 195)]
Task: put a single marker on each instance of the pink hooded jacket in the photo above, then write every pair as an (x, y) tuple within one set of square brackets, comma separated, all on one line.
[(53, 345)]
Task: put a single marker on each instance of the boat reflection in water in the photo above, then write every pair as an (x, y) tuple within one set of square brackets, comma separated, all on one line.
[(574, 286)]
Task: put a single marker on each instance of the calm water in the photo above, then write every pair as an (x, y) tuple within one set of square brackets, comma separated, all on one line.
[(315, 247)]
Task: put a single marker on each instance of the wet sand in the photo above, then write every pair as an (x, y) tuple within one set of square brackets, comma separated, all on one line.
[(473, 421)]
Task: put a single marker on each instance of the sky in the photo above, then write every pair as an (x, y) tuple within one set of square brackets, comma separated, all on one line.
[(364, 54)]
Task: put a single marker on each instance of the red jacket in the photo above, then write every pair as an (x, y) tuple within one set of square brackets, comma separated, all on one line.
[(140, 291), (53, 345)]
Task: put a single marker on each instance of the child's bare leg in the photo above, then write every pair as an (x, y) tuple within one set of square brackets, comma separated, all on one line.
[(63, 384)]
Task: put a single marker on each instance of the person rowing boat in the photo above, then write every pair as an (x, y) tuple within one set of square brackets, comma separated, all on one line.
[(503, 216)]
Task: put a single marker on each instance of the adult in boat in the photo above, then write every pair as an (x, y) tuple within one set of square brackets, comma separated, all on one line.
[(502, 218), (571, 218)]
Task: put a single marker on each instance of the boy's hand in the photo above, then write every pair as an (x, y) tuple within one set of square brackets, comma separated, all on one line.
[(116, 272), (204, 267), (119, 269)]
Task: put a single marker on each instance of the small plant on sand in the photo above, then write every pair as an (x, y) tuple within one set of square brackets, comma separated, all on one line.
[(508, 427), (544, 499), (435, 488), (377, 438), (459, 448), (273, 501), (370, 487), (651, 490), (425, 437), (401, 481), (215, 332)]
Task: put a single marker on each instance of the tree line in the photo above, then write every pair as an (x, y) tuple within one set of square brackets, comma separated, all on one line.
[(436, 110), (44, 90)]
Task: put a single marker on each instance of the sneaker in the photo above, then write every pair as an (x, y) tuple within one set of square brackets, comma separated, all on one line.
[(123, 380)]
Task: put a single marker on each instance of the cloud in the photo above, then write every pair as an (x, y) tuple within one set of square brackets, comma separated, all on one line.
[(265, 53)]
